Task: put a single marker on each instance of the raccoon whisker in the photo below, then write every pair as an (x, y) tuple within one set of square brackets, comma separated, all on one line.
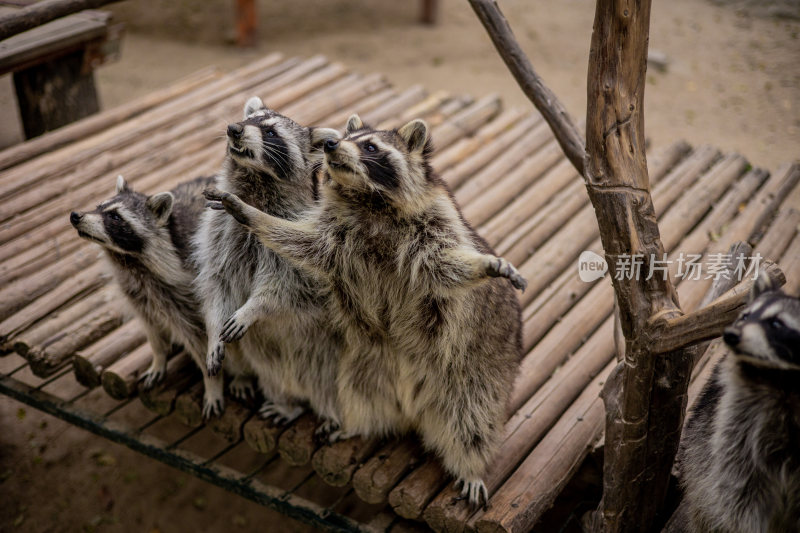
[(270, 151)]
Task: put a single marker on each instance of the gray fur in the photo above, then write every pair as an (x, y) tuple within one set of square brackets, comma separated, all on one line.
[(433, 339), (146, 241), (740, 453), (256, 304)]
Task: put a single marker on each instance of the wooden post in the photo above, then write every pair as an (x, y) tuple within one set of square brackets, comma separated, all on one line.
[(429, 11), (246, 23)]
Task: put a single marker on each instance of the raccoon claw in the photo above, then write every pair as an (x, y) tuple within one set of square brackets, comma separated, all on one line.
[(152, 377), (499, 267), (280, 414), (233, 330), (224, 200), (326, 430), (241, 388), (213, 408), (215, 205), (214, 359), (474, 491)]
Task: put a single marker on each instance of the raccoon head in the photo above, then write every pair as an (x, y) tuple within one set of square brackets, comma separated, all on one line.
[(267, 142), (392, 165), (127, 222), (768, 329)]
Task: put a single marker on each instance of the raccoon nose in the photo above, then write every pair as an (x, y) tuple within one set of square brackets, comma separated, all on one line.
[(731, 337), (331, 145), (235, 130), (75, 218)]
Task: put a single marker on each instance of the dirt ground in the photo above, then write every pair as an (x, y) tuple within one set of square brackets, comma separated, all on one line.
[(732, 80)]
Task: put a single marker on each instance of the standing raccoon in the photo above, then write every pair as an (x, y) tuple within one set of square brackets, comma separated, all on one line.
[(256, 303), (740, 453), (432, 342), (146, 240)]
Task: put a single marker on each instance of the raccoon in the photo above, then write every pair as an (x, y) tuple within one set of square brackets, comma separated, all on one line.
[(147, 240), (432, 342), (739, 458), (257, 304)]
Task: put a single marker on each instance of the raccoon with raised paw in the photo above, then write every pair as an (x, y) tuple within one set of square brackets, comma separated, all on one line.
[(433, 337), (257, 304), (739, 458), (146, 240)]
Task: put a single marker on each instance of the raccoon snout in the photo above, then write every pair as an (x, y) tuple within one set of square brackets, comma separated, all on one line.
[(331, 145), (731, 337), (75, 218), (235, 131)]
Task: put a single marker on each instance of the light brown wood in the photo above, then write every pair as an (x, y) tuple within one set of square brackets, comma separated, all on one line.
[(56, 351), (410, 497), (231, 423), (262, 435), (120, 380), (381, 472), (189, 405), (335, 463), (182, 373)]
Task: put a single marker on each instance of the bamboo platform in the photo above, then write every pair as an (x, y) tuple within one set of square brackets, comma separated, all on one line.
[(70, 350)]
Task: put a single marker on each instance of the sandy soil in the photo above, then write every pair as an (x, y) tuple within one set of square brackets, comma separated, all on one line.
[(732, 80)]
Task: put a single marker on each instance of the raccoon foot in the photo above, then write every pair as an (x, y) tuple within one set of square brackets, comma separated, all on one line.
[(153, 375), (235, 328), (241, 388), (215, 358), (329, 431), (281, 414), (213, 406), (499, 267), (474, 491), (231, 203)]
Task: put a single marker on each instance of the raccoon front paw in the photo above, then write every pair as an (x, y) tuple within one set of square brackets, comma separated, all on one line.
[(326, 429), (235, 328), (499, 267), (213, 406), (241, 388), (214, 359), (474, 491), (231, 203), (153, 375), (281, 414)]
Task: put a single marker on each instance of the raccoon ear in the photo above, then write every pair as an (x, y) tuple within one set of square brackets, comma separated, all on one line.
[(763, 284), (253, 104), (122, 185), (161, 206), (353, 124), (415, 135), (318, 136)]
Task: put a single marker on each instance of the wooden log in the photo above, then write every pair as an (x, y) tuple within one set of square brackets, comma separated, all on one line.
[(17, 295), (55, 323), (262, 435), (410, 497), (510, 157), (556, 115), (456, 153), (426, 107), (533, 487), (393, 108), (296, 444), (56, 139), (467, 121), (791, 265), (189, 405), (82, 284), (381, 472), (528, 175), (56, 351), (43, 12), (121, 379), (330, 98), (230, 424), (335, 463), (362, 107), (89, 363), (182, 373), (59, 162)]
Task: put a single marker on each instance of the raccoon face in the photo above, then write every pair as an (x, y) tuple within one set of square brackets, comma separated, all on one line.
[(393, 164), (769, 327), (124, 223), (266, 141)]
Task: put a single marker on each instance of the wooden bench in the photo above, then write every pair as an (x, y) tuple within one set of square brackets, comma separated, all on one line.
[(53, 68), (71, 351)]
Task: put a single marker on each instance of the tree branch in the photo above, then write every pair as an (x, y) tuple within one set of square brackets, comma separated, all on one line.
[(710, 321), (43, 12), (564, 129)]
